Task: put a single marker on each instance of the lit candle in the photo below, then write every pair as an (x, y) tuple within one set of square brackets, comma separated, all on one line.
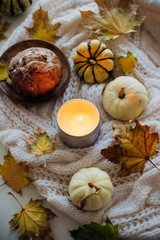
[(78, 122)]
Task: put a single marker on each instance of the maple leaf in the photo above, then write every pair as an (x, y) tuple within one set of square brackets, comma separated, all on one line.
[(127, 63), (135, 146), (112, 21), (42, 27), (4, 72), (3, 27), (95, 231), (32, 221), (14, 174), (41, 143)]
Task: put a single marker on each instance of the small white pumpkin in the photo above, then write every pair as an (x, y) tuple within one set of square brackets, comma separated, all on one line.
[(90, 188), (124, 98)]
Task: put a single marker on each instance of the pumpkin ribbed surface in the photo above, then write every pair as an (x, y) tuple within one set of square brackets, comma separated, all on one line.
[(93, 61), (14, 7), (125, 98)]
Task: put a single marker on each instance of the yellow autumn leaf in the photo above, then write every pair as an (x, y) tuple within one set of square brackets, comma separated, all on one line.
[(41, 143), (14, 174), (113, 20), (32, 221), (3, 27), (42, 27), (134, 147), (4, 73), (127, 63)]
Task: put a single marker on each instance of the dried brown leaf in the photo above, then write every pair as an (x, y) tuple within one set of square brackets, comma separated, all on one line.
[(3, 27), (113, 21)]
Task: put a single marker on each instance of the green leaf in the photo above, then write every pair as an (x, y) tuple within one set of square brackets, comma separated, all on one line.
[(95, 231)]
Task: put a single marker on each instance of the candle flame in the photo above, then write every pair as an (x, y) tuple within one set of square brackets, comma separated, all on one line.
[(80, 119)]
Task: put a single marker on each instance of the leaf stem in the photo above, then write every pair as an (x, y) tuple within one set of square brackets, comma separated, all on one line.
[(2, 184), (141, 50), (45, 163), (154, 165), (16, 199)]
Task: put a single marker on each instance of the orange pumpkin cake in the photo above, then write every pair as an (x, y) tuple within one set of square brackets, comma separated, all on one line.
[(35, 71)]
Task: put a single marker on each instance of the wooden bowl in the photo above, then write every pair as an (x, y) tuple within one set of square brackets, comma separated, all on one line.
[(11, 92)]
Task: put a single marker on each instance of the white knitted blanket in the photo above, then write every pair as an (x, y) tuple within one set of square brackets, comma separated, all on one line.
[(135, 205)]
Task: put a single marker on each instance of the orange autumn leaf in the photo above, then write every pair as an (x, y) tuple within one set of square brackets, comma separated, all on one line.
[(14, 174), (127, 63), (42, 27), (32, 221), (135, 146)]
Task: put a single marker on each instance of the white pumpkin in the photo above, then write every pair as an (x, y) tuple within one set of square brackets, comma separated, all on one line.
[(124, 98), (90, 188)]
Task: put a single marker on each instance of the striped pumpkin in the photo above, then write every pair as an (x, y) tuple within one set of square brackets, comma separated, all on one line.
[(14, 7), (93, 61)]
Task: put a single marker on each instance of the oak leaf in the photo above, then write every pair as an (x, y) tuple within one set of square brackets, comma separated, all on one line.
[(127, 63), (3, 27), (135, 146), (42, 27), (32, 221), (41, 143), (14, 174), (113, 21), (95, 231)]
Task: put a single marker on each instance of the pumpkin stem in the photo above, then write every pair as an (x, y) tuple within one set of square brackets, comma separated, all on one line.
[(91, 61), (121, 93), (98, 189)]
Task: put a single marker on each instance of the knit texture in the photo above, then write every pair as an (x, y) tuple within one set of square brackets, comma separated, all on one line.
[(135, 204)]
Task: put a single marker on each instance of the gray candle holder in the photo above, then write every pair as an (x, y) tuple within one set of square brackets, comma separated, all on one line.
[(80, 141)]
